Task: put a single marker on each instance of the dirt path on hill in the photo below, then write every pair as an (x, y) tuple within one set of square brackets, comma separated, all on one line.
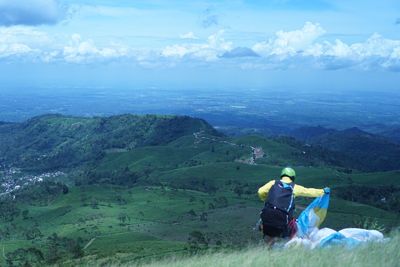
[(89, 243), (256, 152)]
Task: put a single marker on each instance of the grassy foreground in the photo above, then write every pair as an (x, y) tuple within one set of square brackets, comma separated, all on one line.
[(372, 254)]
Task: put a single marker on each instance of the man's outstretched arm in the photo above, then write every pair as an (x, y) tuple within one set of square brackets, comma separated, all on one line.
[(301, 191)]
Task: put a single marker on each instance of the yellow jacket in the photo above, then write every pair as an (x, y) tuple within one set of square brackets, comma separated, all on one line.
[(298, 190)]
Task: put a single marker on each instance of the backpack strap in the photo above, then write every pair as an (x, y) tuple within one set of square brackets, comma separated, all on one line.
[(291, 187), (287, 186)]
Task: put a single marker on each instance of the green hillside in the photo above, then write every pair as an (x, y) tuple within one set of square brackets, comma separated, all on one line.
[(374, 254), (172, 187)]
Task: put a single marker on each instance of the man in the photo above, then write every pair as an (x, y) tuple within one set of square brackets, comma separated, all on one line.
[(277, 214)]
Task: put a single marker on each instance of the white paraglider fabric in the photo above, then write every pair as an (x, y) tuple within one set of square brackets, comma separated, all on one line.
[(310, 236)]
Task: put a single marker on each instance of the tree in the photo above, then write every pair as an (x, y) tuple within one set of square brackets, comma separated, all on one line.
[(203, 216), (221, 202), (75, 248), (53, 252), (33, 233), (25, 214), (238, 190), (8, 210), (94, 203), (25, 257), (123, 217), (65, 189), (197, 240), (192, 213), (120, 200)]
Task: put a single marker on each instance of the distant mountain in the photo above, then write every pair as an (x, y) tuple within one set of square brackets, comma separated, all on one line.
[(392, 134), (309, 133), (4, 123), (54, 141), (366, 151)]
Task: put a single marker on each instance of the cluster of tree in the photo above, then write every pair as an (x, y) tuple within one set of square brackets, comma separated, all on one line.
[(124, 177), (197, 241), (6, 231), (62, 247), (191, 163), (384, 197), (219, 202), (25, 257), (8, 210), (32, 233), (196, 183), (41, 193), (123, 218), (242, 188), (57, 248), (13, 230)]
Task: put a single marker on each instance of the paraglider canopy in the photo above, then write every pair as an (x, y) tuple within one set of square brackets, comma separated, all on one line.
[(309, 235)]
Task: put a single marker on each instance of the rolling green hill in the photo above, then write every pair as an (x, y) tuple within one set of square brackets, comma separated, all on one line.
[(140, 187)]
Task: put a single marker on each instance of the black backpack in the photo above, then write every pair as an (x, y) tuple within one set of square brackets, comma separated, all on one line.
[(281, 197)]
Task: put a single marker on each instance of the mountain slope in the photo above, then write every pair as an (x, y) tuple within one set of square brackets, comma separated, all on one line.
[(308, 134), (364, 151)]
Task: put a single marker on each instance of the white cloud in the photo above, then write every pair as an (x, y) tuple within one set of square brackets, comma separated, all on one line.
[(287, 49), (23, 34), (395, 53), (375, 46), (209, 51), (17, 41), (339, 50), (50, 56), (290, 43), (314, 50), (189, 35), (291, 46), (376, 51), (83, 51), (14, 50)]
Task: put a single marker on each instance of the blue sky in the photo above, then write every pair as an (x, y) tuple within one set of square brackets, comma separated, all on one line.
[(238, 44)]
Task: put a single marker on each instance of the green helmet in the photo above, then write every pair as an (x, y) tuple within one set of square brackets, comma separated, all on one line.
[(289, 172)]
